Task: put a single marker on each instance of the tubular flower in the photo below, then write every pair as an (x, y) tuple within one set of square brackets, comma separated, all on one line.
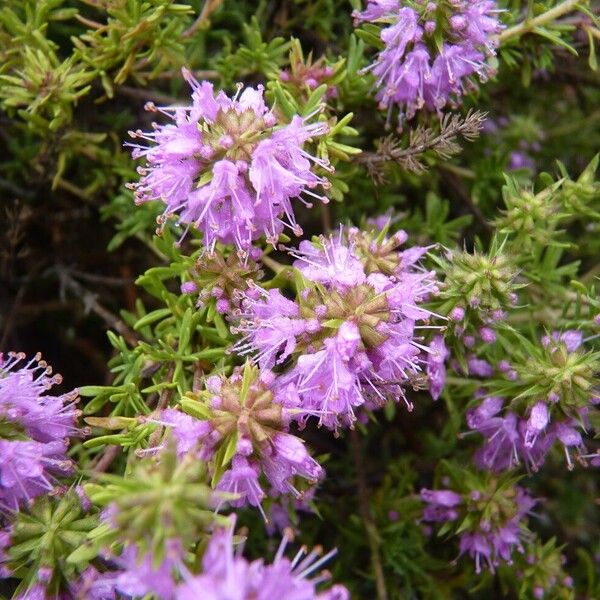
[(227, 166), (33, 452), (227, 574), (350, 338), (488, 520), (414, 69), (564, 403), (245, 416), (134, 575)]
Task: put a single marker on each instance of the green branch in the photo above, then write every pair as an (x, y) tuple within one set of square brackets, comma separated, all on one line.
[(529, 25)]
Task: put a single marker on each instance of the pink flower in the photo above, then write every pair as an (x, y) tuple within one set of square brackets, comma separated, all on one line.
[(226, 170)]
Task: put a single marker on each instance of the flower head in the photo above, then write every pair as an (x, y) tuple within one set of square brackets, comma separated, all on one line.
[(350, 337), (40, 423), (488, 516), (227, 574), (245, 417), (436, 369), (431, 51), (227, 166)]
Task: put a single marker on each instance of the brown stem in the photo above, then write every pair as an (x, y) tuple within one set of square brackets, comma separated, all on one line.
[(106, 459), (209, 7), (365, 511), (90, 302)]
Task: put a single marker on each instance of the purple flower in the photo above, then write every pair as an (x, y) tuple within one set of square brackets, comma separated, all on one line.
[(188, 432), (133, 575), (539, 418), (226, 169), (328, 381), (510, 439), (349, 338), (242, 480), (271, 323), (375, 10), (332, 263), (489, 545), (571, 339), (501, 448), (226, 574), (441, 505), (520, 160), (488, 542), (25, 401), (288, 459), (414, 70), (28, 469), (479, 418), (248, 414), (5, 544), (457, 314), (488, 335), (479, 367), (436, 370)]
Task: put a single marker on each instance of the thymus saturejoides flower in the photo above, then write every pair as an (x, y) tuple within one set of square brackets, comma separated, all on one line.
[(354, 334), (431, 51), (228, 167)]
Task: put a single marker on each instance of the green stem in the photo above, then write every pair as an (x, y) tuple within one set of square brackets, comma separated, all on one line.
[(275, 266), (530, 24)]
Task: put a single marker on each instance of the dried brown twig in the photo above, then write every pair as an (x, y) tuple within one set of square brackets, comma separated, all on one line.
[(421, 139), (90, 302), (209, 7)]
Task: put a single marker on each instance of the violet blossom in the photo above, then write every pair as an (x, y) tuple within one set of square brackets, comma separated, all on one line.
[(351, 337), (414, 70), (250, 410), (227, 574), (228, 167), (31, 460), (488, 538)]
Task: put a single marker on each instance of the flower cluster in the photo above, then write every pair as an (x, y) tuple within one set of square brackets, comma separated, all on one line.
[(241, 427), (490, 519), (228, 167), (225, 573), (540, 570), (431, 50), (40, 537), (562, 406), (350, 338), (476, 293), (34, 429), (133, 575)]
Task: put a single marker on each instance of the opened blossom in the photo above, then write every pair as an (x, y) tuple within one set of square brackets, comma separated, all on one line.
[(249, 414), (352, 337), (556, 418), (491, 521), (415, 70), (34, 455), (227, 574), (228, 167)]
